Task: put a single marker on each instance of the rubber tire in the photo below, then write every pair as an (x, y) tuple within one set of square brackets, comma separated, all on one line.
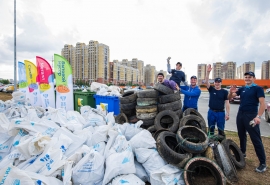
[(170, 113), (176, 105), (128, 106), (192, 132), (168, 119), (225, 163), (199, 162), (147, 123), (237, 158), (267, 117), (128, 97), (133, 119), (146, 109), (121, 118), (147, 94), (169, 98), (163, 89), (166, 146), (156, 134), (191, 111), (129, 112), (146, 115), (152, 129), (194, 121), (146, 101)]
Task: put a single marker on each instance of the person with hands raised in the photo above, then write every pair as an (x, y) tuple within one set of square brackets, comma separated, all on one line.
[(178, 75), (251, 96), (218, 101)]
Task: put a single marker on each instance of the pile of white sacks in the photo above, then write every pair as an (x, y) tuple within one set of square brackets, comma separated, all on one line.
[(56, 147)]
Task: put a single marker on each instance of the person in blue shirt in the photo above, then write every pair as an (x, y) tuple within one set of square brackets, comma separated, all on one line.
[(192, 94), (218, 100), (249, 117), (178, 75)]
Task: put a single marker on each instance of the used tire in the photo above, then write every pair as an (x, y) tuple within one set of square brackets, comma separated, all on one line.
[(163, 89), (193, 121), (146, 109), (146, 101), (147, 94), (225, 163), (128, 97), (266, 115), (133, 119), (121, 118), (192, 139), (197, 165), (169, 98), (170, 113), (156, 134), (191, 111), (146, 115), (128, 106), (147, 123), (234, 153), (169, 151), (168, 119), (129, 112), (170, 106), (152, 129)]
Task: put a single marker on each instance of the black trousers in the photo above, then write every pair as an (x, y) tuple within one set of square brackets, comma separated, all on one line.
[(243, 126)]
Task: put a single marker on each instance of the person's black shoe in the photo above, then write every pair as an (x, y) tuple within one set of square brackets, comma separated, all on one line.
[(261, 168)]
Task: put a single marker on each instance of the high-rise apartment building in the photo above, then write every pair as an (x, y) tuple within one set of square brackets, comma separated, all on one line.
[(149, 75), (90, 62), (265, 71), (224, 70), (201, 71), (139, 64), (245, 67)]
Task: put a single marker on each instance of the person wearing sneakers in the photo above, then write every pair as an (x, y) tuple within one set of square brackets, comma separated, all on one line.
[(192, 94), (178, 75), (249, 117), (218, 101)]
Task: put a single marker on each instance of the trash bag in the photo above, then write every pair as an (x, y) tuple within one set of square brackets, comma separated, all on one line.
[(127, 179), (143, 139)]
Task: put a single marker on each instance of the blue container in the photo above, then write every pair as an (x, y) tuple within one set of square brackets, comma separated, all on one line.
[(112, 101)]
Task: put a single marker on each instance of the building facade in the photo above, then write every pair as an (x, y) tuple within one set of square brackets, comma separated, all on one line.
[(201, 71), (265, 71), (90, 63), (245, 67), (150, 75), (224, 70)]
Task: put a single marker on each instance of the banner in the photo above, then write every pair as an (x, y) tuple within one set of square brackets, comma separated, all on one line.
[(23, 86), (31, 76), (45, 81), (64, 85)]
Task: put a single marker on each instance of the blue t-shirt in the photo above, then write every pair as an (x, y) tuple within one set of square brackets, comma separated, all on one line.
[(217, 98), (249, 97)]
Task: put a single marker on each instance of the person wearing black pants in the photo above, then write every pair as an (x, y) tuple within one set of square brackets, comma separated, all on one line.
[(249, 117)]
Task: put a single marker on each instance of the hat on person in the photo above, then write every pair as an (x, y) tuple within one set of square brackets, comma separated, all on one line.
[(218, 80), (249, 73), (179, 63), (195, 77), (160, 74)]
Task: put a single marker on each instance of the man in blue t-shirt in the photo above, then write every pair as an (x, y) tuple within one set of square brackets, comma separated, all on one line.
[(192, 94), (177, 75), (218, 100), (249, 118)]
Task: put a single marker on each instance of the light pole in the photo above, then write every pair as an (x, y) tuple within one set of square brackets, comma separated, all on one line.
[(15, 54)]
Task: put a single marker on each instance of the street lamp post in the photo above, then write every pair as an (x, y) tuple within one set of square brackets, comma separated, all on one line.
[(15, 54)]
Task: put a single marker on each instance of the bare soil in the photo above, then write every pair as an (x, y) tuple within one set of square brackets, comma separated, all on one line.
[(246, 176)]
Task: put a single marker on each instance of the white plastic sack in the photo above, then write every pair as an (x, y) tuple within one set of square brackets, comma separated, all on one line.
[(11, 175), (75, 117), (140, 171), (57, 115), (167, 175), (127, 179), (4, 123), (44, 180), (99, 147), (93, 117), (79, 154), (62, 142), (150, 159), (130, 130), (19, 97), (9, 159), (143, 139), (120, 160), (2, 106), (99, 135), (95, 86), (67, 173), (89, 170), (112, 134)]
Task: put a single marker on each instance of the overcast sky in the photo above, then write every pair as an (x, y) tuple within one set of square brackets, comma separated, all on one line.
[(189, 31)]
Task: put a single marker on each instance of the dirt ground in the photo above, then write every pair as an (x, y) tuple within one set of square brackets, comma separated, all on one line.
[(246, 176)]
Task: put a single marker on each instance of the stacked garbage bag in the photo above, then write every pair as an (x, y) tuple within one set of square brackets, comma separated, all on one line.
[(59, 147)]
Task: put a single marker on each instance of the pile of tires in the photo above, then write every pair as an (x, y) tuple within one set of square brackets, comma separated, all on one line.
[(146, 109), (128, 103)]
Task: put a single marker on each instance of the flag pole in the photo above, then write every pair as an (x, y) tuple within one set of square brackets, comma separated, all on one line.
[(15, 54)]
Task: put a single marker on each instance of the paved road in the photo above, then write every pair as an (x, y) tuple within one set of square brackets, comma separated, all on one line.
[(231, 123)]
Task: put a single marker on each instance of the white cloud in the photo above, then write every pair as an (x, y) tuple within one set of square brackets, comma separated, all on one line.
[(189, 31)]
